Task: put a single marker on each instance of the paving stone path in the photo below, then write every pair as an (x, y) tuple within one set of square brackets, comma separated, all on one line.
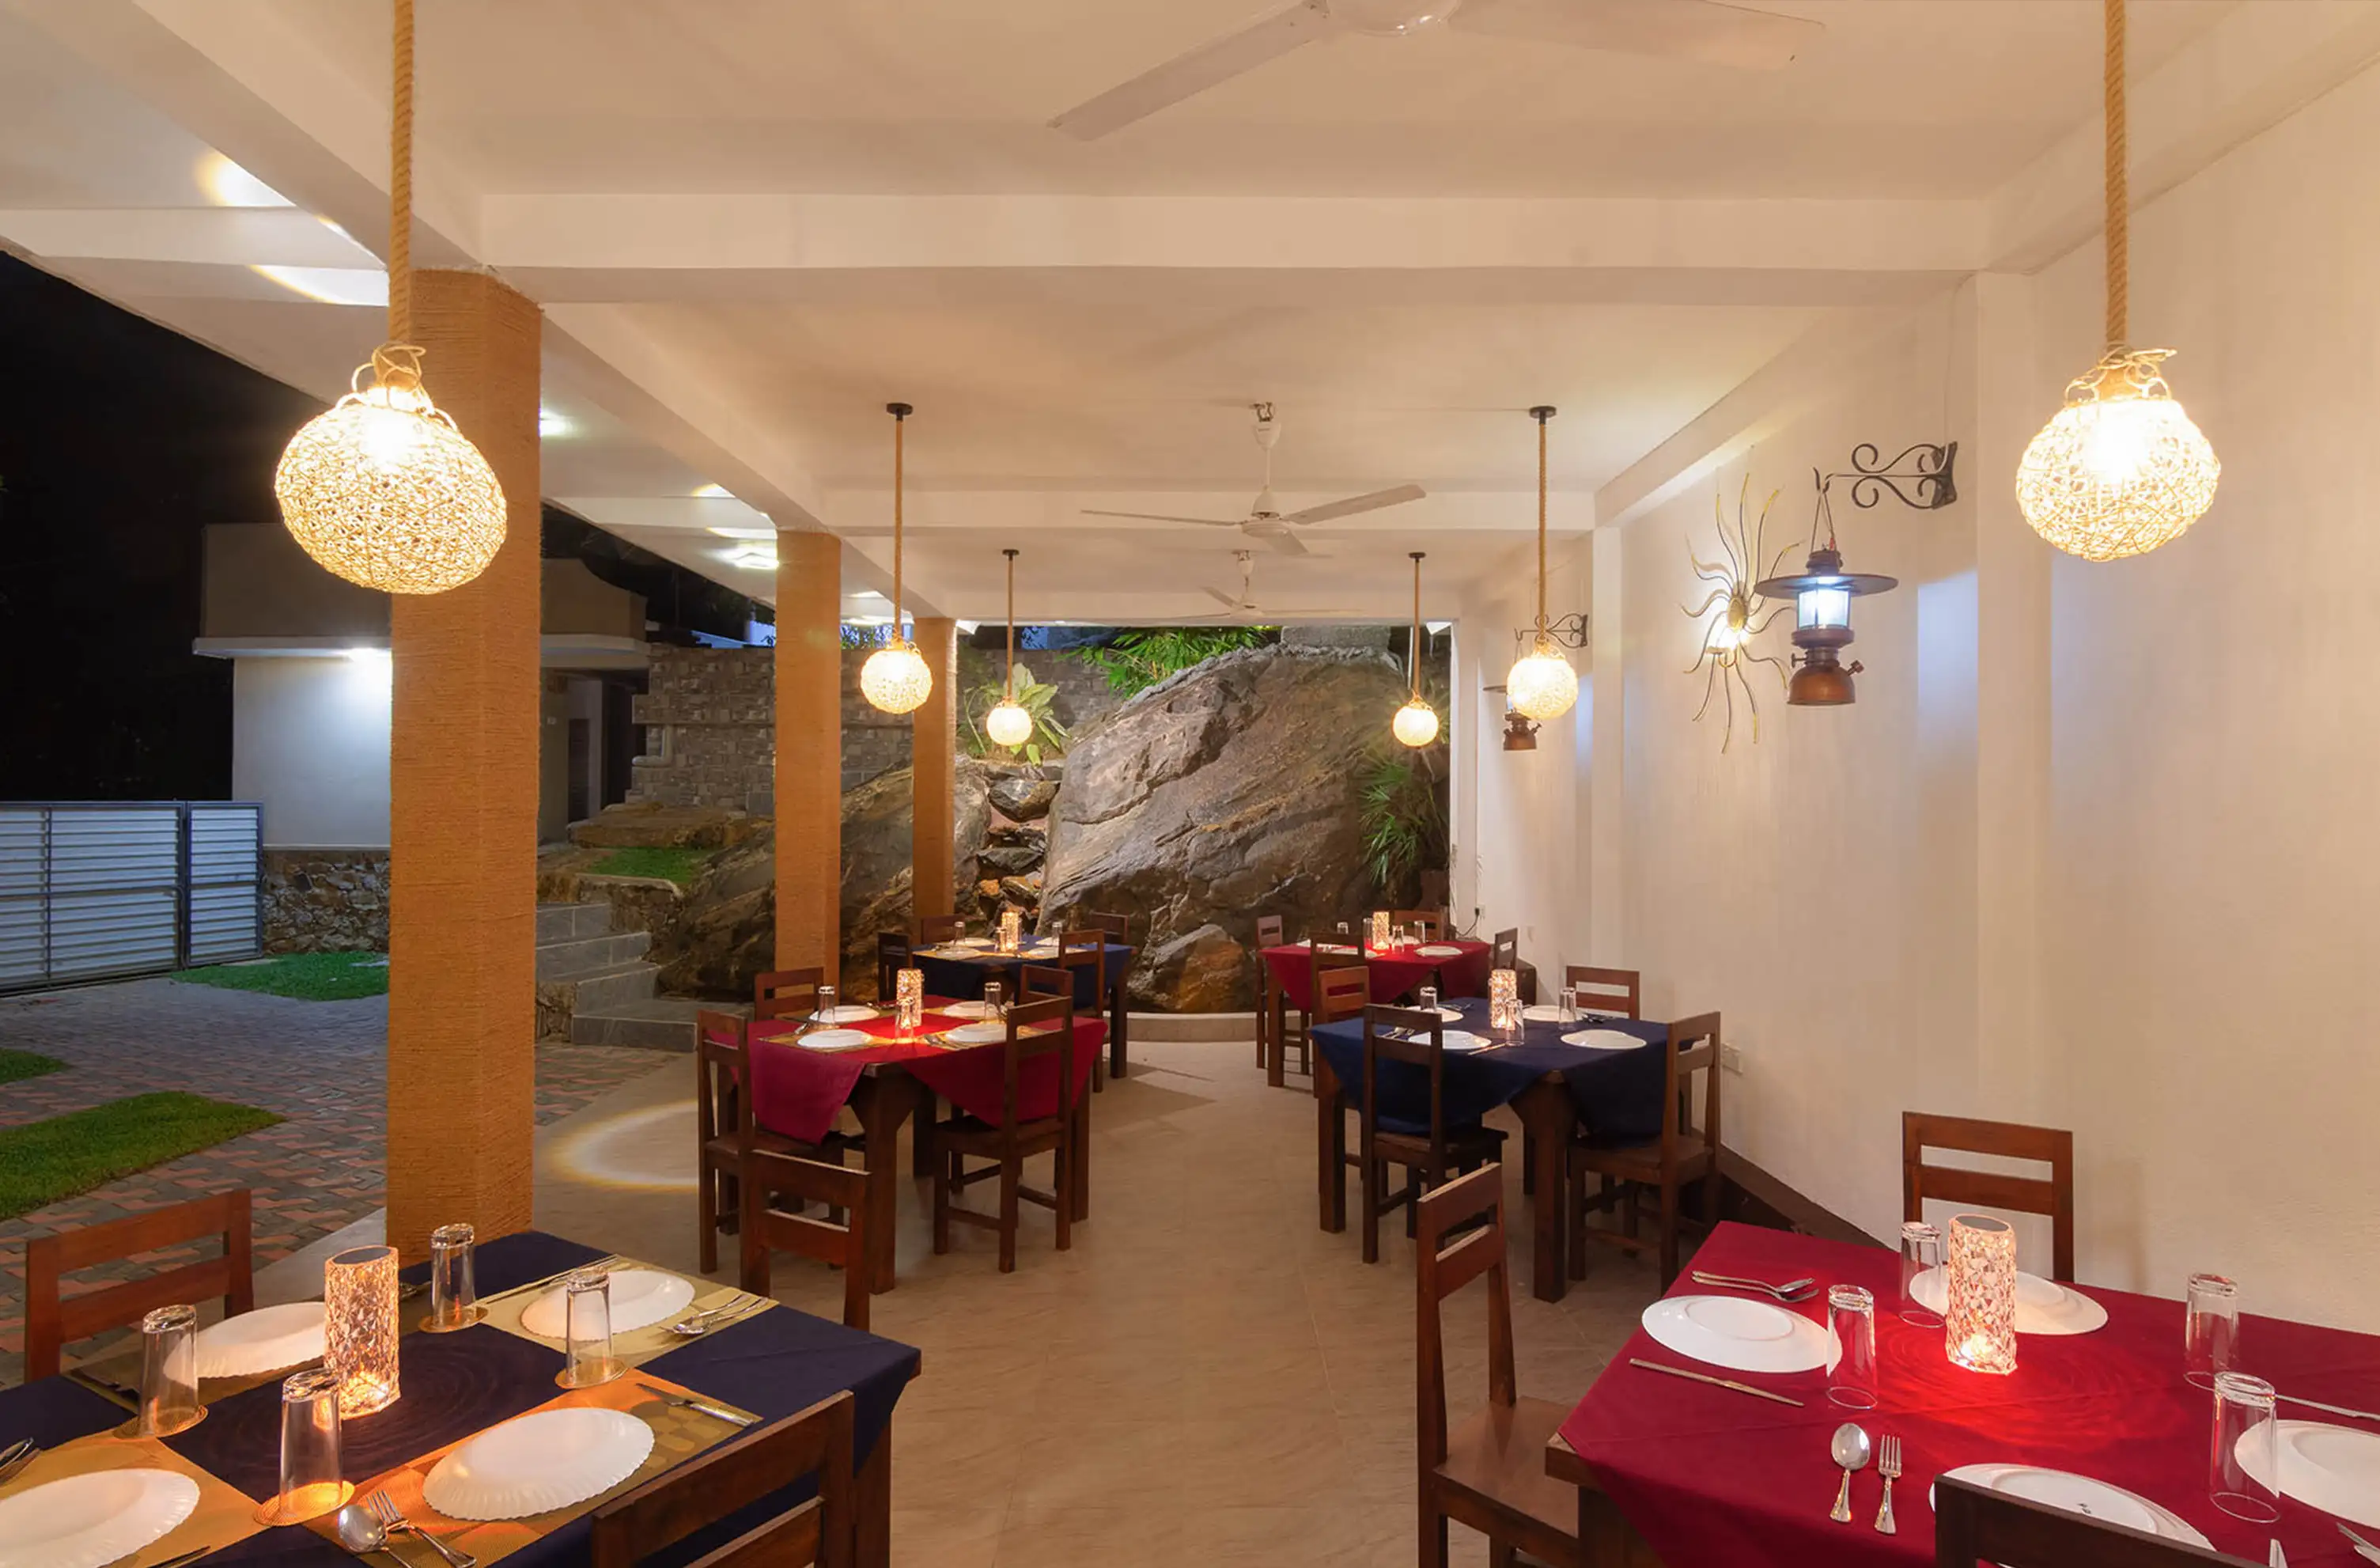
[(320, 1065)]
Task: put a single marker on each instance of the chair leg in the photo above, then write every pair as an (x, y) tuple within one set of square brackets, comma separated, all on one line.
[(1576, 1181), (1668, 1233), (1012, 1170), (706, 1217), (946, 1175), (1061, 1187), (1373, 1181), (1433, 1535), (1528, 1164)]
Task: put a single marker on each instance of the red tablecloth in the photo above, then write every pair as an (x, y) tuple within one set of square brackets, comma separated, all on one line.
[(797, 1092), (1394, 971), (1711, 1476)]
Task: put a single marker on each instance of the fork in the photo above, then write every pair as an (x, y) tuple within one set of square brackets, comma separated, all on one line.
[(383, 1507), (2364, 1548), (1791, 1291), (1888, 1464), (17, 1457), (702, 1323)]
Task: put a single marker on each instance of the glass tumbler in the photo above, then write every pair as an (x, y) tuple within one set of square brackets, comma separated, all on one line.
[(1569, 1013), (587, 1326), (1427, 997), (454, 1298), (1851, 1329), (994, 993), (825, 1013), (2210, 1329), (2242, 1466), (1921, 1250), (169, 1372), (311, 1483)]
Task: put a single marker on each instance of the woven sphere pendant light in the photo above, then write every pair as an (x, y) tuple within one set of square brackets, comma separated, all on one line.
[(1008, 723), (895, 678), (1542, 685), (383, 490), (1416, 723), (2120, 469)]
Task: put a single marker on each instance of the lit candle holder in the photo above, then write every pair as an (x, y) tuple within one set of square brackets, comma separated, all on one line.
[(1380, 930), (1012, 930), (360, 1328), (909, 998), (1979, 1325), (1504, 1000)]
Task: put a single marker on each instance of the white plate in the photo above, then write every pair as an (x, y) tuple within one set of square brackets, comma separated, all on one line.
[(536, 1463), (972, 943), (1463, 1040), (836, 1039), (639, 1297), (965, 1010), (1605, 1040), (2078, 1494), (849, 1012), (266, 1340), (83, 1521), (951, 950), (1438, 950), (2043, 1307), (1542, 1013), (2336, 1469), (991, 1030), (1726, 1330)]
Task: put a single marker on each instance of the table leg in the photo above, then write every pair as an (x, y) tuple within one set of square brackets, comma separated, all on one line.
[(1276, 1008), (873, 1505), (884, 1102), (1547, 1113), (1116, 1036), (921, 1144), (1330, 1147)]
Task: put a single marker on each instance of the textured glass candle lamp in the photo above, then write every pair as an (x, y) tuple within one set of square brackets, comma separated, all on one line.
[(312, 1485), (908, 999), (1979, 1324), (1504, 1000), (453, 1297), (169, 1372), (1012, 930), (1380, 928), (360, 1328)]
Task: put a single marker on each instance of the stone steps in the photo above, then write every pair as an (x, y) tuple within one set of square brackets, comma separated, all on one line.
[(584, 966), (565, 922), (660, 1022), (589, 954)]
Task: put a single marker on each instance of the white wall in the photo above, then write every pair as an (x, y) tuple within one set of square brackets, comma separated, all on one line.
[(310, 739)]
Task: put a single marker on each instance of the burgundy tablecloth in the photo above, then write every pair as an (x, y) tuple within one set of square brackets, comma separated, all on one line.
[(797, 1092), (1394, 971), (1711, 1476)]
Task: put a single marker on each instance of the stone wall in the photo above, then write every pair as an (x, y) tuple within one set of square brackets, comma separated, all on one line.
[(326, 901), (874, 742), (710, 729)]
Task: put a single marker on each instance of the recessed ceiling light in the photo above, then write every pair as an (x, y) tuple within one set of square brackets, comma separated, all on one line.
[(866, 593), (333, 285), (968, 626), (713, 492), (754, 557), (228, 185), (743, 530), (551, 423)]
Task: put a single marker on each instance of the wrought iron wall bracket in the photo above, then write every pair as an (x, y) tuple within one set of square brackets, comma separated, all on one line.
[(1569, 631), (1929, 470)]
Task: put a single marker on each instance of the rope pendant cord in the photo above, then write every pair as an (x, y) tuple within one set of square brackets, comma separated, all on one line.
[(1008, 682), (1541, 528), (2119, 186), (400, 180), (900, 422), (1413, 657)]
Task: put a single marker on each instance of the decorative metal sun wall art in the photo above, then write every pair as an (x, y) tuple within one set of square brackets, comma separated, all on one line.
[(1734, 612)]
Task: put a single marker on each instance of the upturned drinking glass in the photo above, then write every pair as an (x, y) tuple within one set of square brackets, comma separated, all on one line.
[(992, 995), (453, 1295), (1851, 1326), (2244, 1459), (586, 1329), (1428, 996), (1921, 1249), (1569, 1005), (825, 1013), (169, 1372), (311, 1483), (2210, 1329)]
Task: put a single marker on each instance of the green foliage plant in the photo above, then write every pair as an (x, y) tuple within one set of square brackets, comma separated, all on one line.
[(1138, 660)]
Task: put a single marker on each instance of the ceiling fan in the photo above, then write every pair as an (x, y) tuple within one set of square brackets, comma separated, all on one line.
[(1707, 31), (1244, 608), (1265, 520)]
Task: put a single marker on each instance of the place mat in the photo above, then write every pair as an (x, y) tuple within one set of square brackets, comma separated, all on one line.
[(678, 1434), (634, 1347), (224, 1515)]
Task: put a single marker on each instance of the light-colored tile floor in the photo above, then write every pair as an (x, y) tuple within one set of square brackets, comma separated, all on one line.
[(1205, 1378)]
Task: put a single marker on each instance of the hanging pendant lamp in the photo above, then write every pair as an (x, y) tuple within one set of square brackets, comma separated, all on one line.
[(2120, 469), (895, 678), (1008, 723), (1416, 723), (383, 490), (1542, 685)]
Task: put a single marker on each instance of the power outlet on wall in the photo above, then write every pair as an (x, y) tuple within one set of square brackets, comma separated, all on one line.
[(1731, 1058)]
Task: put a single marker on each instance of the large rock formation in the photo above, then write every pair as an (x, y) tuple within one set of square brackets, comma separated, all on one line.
[(1230, 790)]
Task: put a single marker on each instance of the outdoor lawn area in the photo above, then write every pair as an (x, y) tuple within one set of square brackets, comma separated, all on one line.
[(43, 1161), (306, 976)]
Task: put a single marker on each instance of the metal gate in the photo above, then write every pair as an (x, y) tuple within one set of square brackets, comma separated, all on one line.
[(94, 889)]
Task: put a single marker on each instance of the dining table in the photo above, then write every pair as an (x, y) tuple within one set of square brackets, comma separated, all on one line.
[(771, 1364), (798, 1091), (1457, 966), (1680, 1473), (1554, 1087), (960, 970)]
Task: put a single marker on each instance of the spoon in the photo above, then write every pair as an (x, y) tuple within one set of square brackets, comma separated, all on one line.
[(360, 1533), (1792, 1290), (1849, 1449)]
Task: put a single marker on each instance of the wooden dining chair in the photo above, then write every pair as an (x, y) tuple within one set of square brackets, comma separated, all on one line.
[(1043, 982), (1605, 990), (1270, 934), (1504, 952), (2053, 1195), (936, 929), (786, 994), (770, 1176), (1488, 1471), (893, 951), (1428, 924), (1972, 1524), (1036, 1029), (1320, 968), (1087, 948), (1340, 991), (1682, 1154), (1427, 1146), (1117, 926), (639, 1525), (53, 1321)]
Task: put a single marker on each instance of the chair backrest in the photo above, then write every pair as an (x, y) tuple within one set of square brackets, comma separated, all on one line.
[(1430, 924), (51, 1321), (1342, 990), (723, 1058), (933, 928), (1504, 952), (1268, 931), (1039, 1028), (786, 994), (1039, 983), (1118, 928), (1989, 1189), (1440, 1271), (1972, 1524), (1694, 1048), (892, 956), (711, 1486), (1607, 991), (769, 1172), (1087, 948), (1385, 1032)]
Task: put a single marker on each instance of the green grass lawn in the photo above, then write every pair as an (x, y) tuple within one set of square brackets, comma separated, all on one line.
[(679, 866), (43, 1161), (15, 1064), (310, 976)]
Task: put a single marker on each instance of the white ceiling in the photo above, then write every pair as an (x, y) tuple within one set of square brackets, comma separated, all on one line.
[(753, 224)]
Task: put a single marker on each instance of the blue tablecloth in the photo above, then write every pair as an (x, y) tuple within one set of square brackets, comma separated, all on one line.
[(1618, 1093), (962, 979), (773, 1365)]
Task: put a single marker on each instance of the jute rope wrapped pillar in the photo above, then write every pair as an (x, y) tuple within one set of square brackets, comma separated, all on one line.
[(463, 786), (933, 746), (809, 751)]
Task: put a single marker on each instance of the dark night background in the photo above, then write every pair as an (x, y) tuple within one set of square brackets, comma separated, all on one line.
[(120, 441)]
